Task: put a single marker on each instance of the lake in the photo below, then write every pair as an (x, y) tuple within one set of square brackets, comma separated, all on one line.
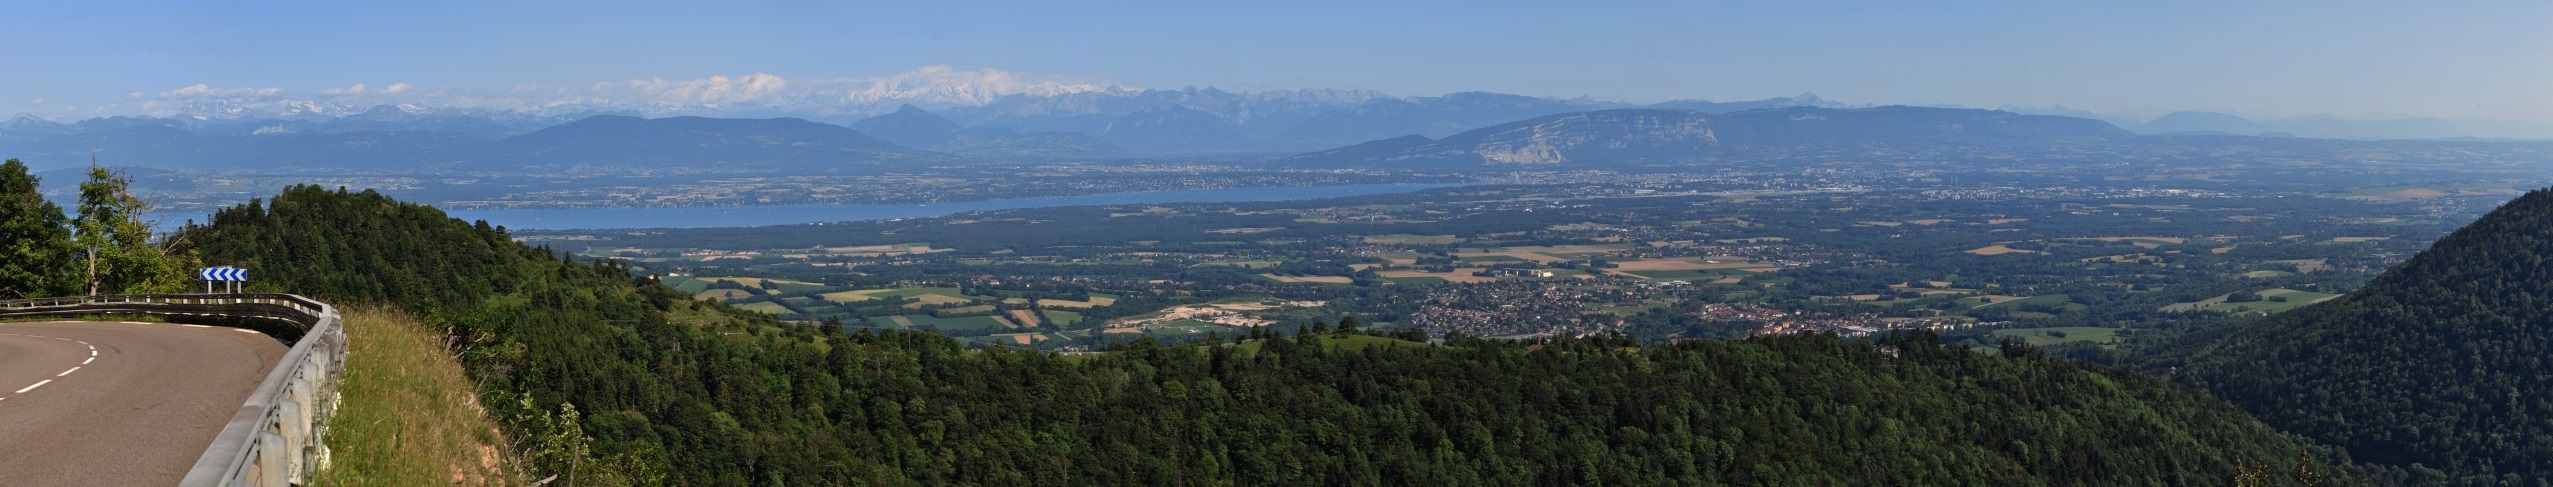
[(749, 216)]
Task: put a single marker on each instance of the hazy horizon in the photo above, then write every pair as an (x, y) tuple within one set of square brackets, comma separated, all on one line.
[(2363, 61)]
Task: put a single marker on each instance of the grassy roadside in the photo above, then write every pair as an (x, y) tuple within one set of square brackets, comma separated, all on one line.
[(408, 416)]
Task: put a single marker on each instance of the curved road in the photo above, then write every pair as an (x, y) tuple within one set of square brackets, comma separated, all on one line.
[(106, 403)]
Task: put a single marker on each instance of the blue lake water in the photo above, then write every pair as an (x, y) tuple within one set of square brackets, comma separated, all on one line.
[(747, 216)]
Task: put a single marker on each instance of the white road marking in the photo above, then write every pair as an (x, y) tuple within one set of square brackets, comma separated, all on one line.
[(135, 323), (92, 358), (197, 326), (93, 353), (68, 372), (245, 331), (32, 387)]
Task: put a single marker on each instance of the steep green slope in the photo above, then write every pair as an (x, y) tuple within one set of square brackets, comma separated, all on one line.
[(2446, 360), (407, 417), (629, 383)]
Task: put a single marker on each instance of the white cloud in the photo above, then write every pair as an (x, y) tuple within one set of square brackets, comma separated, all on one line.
[(749, 94), (38, 101), (932, 84), (966, 87), (714, 89), (201, 91)]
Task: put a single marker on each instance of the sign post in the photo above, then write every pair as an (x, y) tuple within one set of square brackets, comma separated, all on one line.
[(232, 275)]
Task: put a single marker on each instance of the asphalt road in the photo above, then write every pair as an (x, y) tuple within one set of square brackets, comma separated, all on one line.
[(104, 403)]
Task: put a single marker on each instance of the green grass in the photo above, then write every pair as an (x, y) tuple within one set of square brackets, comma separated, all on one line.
[(968, 323), (1185, 329), (2073, 334), (1063, 318), (917, 291), (2051, 299), (766, 307), (407, 416), (2295, 300), (794, 287), (687, 285), (980, 308)]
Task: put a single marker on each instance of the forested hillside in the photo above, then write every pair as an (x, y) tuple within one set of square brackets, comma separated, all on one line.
[(625, 381), (2442, 361)]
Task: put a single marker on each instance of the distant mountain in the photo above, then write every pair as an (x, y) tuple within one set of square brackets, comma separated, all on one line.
[(2195, 122), (1175, 128), (911, 126), (29, 128), (2314, 126), (694, 144), (172, 146), (1259, 114), (1433, 116), (914, 127), (2443, 360), (1712, 107), (1662, 135), (412, 118), (2330, 127)]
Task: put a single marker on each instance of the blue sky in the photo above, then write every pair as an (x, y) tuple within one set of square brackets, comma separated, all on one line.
[(2477, 59)]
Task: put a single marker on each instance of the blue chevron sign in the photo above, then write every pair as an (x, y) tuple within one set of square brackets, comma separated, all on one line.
[(222, 274)]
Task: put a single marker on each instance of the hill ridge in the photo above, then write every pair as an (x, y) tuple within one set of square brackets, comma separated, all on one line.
[(2441, 360)]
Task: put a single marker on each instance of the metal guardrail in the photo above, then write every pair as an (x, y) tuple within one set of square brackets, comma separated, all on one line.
[(276, 439)]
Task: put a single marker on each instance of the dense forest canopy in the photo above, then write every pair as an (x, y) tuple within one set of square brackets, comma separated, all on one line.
[(2441, 361), (623, 380)]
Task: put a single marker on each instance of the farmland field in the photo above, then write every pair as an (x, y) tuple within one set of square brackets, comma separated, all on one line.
[(1317, 279), (1405, 239), (970, 323), (724, 294), (1063, 318), (1096, 300)]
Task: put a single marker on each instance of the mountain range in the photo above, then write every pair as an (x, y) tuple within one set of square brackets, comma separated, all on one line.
[(1302, 128), (1075, 125), (2318, 126), (1675, 135), (914, 127)]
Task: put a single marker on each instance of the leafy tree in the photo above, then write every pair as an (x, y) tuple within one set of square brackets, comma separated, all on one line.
[(36, 256), (115, 242)]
